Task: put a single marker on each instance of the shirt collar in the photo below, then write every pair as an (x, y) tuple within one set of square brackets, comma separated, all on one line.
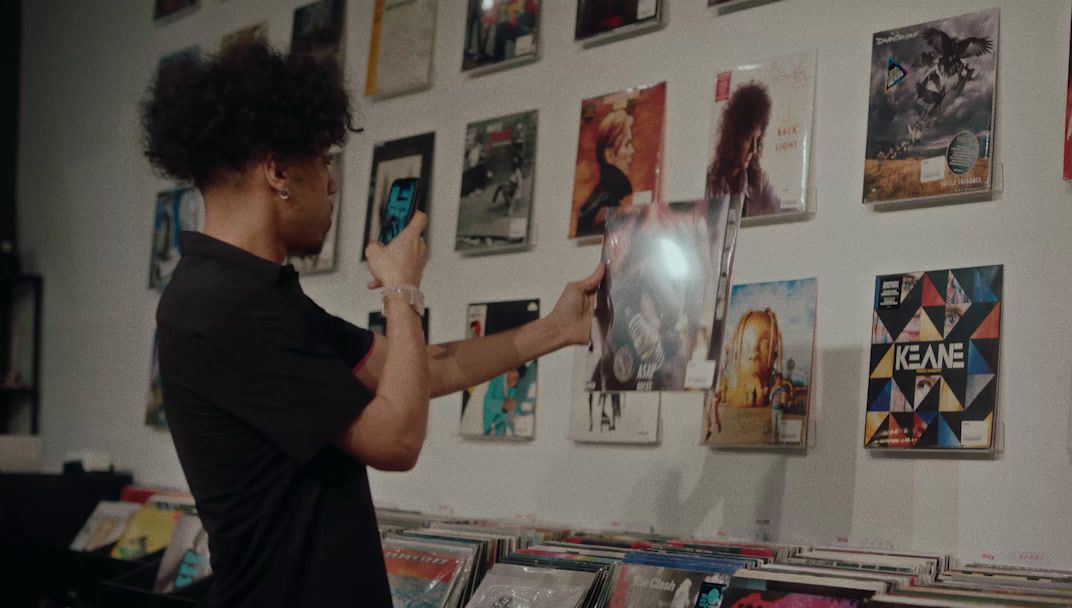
[(198, 244)]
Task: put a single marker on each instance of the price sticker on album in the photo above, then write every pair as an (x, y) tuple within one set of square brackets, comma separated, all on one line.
[(699, 374), (523, 45), (646, 9), (932, 169), (519, 227)]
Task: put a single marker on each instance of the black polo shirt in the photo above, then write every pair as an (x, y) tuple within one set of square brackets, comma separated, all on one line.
[(257, 378)]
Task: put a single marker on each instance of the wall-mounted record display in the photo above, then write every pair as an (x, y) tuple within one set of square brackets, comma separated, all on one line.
[(401, 47), (500, 33), (604, 20)]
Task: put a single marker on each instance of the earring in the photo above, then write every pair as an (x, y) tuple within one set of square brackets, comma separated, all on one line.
[(285, 194)]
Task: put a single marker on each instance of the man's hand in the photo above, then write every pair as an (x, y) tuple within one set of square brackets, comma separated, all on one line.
[(400, 262), (572, 315)]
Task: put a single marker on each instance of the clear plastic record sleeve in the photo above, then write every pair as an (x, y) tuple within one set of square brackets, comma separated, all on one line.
[(660, 310)]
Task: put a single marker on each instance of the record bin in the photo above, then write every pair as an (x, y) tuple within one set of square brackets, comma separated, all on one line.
[(91, 568), (134, 589)]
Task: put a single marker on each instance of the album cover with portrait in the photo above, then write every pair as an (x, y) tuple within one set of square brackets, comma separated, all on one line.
[(619, 155), (600, 19), (763, 393), (177, 211), (500, 32), (325, 260), (498, 173), (399, 159), (661, 308), (933, 377), (762, 133), (505, 406), (318, 30), (401, 46), (930, 124), (598, 417)]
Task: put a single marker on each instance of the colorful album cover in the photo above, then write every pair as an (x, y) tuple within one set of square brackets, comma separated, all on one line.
[(173, 9), (377, 323), (597, 417), (1068, 116), (729, 6), (318, 30), (741, 597), (176, 211), (499, 32), (619, 155), (325, 260), (186, 559), (104, 526), (401, 47), (397, 159), (933, 376), (599, 18), (258, 32), (930, 122), (149, 531), (660, 309), (505, 406), (495, 213), (154, 406), (763, 393), (761, 138), (644, 585), (419, 578)]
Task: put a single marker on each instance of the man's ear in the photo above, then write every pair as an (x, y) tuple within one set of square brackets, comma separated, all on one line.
[(275, 173)]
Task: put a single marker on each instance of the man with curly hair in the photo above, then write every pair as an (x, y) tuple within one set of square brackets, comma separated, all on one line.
[(275, 406), (735, 168)]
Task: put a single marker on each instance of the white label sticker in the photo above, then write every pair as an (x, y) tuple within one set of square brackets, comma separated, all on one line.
[(523, 45), (646, 8), (523, 426), (789, 431), (975, 434), (642, 198), (699, 373), (931, 169), (518, 227)]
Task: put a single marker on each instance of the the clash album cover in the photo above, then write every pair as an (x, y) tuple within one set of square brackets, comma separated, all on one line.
[(505, 406), (377, 323), (646, 585), (325, 260), (498, 173), (660, 310), (1068, 117), (933, 376), (601, 18), (763, 393), (500, 32), (930, 123), (597, 417), (762, 134), (154, 404), (318, 30), (401, 46), (729, 6), (619, 155), (410, 157), (176, 211)]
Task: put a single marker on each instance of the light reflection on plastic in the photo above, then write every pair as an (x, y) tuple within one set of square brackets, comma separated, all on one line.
[(674, 262)]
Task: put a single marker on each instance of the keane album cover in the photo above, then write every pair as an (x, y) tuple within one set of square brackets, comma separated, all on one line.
[(763, 393), (660, 309), (498, 173), (930, 123), (505, 406), (619, 155), (933, 376)]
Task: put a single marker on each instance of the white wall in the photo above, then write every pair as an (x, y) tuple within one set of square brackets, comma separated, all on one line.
[(86, 199)]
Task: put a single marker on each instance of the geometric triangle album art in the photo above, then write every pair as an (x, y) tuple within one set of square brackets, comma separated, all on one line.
[(932, 380)]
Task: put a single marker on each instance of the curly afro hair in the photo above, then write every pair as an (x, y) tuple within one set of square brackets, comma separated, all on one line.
[(202, 118), (749, 108)]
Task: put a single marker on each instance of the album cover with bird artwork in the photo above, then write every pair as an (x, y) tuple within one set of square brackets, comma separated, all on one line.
[(932, 380), (930, 125)]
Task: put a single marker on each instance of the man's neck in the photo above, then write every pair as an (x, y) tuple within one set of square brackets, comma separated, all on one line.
[(244, 220)]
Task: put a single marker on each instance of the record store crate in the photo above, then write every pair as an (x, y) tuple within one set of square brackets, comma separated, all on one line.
[(92, 567), (135, 590)]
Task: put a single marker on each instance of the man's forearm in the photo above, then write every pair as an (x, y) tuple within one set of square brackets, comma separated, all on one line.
[(453, 366)]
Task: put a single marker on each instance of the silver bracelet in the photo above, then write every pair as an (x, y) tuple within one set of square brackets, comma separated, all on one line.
[(413, 295)]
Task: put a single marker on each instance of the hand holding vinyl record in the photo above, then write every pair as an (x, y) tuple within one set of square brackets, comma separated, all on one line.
[(573, 311), (401, 262)]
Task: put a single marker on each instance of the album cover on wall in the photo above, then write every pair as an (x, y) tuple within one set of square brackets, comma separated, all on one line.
[(410, 157), (762, 133), (186, 559), (598, 19), (166, 10), (500, 32), (1068, 116), (401, 47), (933, 376), (498, 174), (377, 323), (154, 405), (505, 406), (176, 211), (661, 307), (930, 124), (597, 417), (258, 32), (729, 6), (763, 393), (619, 155), (325, 260), (318, 30)]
